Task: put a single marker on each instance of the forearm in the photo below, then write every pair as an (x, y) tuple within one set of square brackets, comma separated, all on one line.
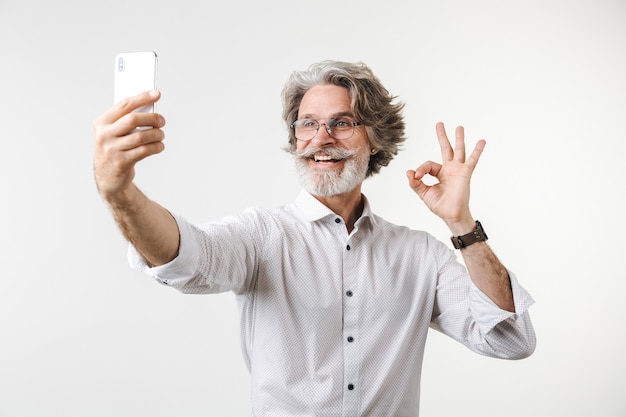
[(148, 226), (449, 200), (488, 274)]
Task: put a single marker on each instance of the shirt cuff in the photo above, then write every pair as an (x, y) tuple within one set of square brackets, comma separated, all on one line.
[(487, 314), (181, 268)]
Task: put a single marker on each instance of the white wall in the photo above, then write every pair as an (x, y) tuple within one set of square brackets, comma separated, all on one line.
[(543, 81)]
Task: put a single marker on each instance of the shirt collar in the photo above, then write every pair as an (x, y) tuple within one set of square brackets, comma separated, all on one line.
[(312, 209)]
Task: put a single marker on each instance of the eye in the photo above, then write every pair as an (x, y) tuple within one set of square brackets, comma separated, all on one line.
[(341, 123), (308, 123)]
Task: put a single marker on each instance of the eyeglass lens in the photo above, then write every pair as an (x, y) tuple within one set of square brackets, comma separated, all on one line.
[(339, 128)]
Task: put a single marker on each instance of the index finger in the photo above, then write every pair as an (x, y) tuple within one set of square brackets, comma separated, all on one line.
[(472, 161), (129, 104)]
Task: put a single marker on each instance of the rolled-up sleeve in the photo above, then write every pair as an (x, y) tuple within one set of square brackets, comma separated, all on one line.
[(507, 334), (180, 269), (465, 313), (212, 258)]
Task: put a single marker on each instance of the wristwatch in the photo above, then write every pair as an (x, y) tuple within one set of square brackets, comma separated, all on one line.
[(476, 235)]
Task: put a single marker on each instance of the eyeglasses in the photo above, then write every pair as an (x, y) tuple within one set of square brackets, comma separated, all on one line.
[(339, 128)]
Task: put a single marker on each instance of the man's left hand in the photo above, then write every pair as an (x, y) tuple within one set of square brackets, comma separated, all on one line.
[(449, 198)]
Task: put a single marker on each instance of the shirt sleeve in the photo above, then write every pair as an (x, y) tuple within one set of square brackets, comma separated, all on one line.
[(212, 258), (505, 334), (181, 268), (487, 313), (466, 314)]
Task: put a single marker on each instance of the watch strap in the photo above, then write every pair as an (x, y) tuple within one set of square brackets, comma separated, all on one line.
[(476, 235)]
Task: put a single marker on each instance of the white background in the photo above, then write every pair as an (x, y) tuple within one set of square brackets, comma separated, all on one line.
[(543, 81)]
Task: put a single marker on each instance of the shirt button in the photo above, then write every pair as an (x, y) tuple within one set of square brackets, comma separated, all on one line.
[(350, 387), (350, 339), (348, 247), (337, 220), (349, 293)]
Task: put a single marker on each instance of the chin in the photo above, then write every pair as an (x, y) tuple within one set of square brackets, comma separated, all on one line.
[(329, 182)]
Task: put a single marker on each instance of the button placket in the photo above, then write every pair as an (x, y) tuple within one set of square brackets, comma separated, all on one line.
[(350, 329)]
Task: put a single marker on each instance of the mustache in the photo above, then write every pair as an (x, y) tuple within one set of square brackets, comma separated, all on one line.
[(333, 152)]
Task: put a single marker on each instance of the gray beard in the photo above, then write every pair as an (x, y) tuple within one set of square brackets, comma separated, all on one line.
[(332, 182)]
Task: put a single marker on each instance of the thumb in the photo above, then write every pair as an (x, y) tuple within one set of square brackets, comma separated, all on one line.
[(416, 183)]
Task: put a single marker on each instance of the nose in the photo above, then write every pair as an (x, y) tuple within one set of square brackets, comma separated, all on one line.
[(326, 127), (322, 136)]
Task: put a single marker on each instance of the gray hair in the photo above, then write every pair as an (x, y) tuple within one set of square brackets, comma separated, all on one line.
[(371, 104)]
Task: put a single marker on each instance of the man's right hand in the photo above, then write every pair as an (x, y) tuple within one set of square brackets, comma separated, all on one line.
[(119, 144)]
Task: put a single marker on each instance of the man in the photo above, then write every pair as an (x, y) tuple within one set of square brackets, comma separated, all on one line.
[(335, 302)]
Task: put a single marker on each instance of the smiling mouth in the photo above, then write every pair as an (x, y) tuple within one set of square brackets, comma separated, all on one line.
[(324, 159)]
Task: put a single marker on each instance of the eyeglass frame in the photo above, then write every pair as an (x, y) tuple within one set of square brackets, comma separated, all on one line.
[(327, 127)]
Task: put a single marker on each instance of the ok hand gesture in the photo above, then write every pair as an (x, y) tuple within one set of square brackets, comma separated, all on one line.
[(449, 198)]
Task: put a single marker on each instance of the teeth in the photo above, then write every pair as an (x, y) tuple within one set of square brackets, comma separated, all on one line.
[(322, 158)]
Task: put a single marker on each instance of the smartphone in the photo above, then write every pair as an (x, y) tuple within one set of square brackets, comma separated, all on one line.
[(135, 72)]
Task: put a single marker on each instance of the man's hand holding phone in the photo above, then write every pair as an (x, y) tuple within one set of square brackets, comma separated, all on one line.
[(120, 144), (130, 130), (125, 134)]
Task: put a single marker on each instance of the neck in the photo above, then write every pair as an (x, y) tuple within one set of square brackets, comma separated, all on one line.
[(347, 205)]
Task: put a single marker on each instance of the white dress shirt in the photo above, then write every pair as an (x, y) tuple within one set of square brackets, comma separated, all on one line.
[(334, 324)]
